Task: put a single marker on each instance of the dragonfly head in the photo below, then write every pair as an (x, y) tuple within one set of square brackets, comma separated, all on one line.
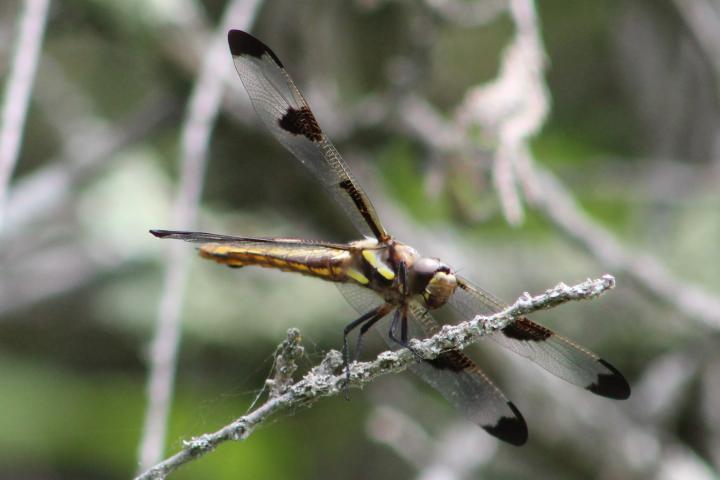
[(433, 280)]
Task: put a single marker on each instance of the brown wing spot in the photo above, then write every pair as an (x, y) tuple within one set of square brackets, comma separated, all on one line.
[(301, 122), (525, 330), (362, 206), (452, 360)]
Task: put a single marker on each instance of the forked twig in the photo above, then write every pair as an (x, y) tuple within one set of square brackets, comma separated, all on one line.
[(328, 377)]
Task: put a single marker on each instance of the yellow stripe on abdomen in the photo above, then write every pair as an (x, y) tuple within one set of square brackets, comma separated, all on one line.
[(315, 261)]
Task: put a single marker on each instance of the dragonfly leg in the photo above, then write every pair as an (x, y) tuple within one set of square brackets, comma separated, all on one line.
[(367, 320), (400, 319), (363, 330)]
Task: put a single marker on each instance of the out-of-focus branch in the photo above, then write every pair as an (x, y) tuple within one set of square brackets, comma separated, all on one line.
[(460, 12), (552, 199), (328, 378), (703, 19), (402, 434), (555, 202), (55, 270), (40, 197), (503, 107), (512, 119), (18, 89), (86, 152), (195, 138), (456, 452)]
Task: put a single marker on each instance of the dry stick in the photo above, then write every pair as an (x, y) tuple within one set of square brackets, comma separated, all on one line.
[(38, 196), (18, 89), (545, 192), (197, 128), (551, 198), (328, 378), (557, 204)]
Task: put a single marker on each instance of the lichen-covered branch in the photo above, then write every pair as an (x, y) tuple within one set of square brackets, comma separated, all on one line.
[(328, 378)]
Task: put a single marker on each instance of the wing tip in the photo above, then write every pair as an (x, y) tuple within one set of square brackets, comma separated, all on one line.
[(611, 385), (175, 234), (243, 44), (160, 233), (512, 430)]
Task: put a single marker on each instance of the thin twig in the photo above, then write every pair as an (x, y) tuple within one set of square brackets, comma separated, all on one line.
[(17, 90), (557, 204), (513, 107), (328, 378), (504, 101), (38, 196), (195, 138), (547, 194)]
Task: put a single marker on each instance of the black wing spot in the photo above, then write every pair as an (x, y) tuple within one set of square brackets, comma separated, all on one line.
[(161, 233), (523, 329), (512, 430), (242, 43), (301, 122), (610, 385)]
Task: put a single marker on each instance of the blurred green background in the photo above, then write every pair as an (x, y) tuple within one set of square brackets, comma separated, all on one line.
[(633, 132)]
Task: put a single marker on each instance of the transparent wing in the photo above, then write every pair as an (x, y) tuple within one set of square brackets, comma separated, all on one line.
[(466, 386), (287, 115), (453, 374), (204, 237), (555, 353)]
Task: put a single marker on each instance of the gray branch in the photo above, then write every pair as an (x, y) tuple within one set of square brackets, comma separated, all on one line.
[(328, 378), (194, 143), (512, 108), (18, 90)]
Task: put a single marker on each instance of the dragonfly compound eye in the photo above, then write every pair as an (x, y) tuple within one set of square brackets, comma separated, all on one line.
[(434, 280), (439, 289), (426, 267)]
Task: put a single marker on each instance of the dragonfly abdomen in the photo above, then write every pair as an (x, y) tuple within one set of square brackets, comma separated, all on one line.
[(320, 262)]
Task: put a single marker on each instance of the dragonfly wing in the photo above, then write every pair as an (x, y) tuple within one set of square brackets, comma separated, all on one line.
[(204, 237), (556, 354), (284, 111), (466, 386), (453, 374)]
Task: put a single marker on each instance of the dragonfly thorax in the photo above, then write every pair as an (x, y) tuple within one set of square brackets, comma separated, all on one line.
[(424, 277)]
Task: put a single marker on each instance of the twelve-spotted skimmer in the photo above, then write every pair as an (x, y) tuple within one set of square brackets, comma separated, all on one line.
[(381, 276)]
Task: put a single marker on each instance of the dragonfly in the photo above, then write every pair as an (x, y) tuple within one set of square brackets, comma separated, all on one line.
[(382, 277)]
